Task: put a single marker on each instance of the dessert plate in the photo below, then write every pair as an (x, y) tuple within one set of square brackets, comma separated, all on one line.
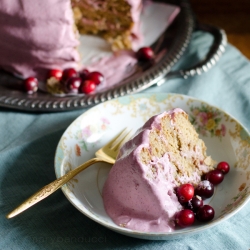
[(168, 48), (226, 140)]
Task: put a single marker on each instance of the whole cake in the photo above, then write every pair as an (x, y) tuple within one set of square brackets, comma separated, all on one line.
[(166, 152), (40, 35)]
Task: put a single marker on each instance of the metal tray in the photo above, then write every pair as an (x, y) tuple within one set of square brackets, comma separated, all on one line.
[(176, 39)]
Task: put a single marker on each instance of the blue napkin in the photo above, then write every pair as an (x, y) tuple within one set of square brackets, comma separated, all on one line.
[(27, 147)]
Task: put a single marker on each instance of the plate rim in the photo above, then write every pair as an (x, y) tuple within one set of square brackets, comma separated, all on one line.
[(154, 235)]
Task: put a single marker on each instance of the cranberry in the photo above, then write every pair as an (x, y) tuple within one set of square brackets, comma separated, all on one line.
[(83, 74), (195, 203), (185, 192), (96, 77), (205, 189), (145, 54), (184, 218), (73, 84), (31, 85), (68, 73), (56, 73), (205, 213), (87, 87), (215, 176), (224, 167)]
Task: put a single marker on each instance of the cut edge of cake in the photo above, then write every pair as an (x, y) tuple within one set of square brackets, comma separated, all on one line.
[(115, 21), (176, 136)]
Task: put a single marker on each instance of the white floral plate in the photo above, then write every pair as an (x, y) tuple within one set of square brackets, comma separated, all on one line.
[(226, 140)]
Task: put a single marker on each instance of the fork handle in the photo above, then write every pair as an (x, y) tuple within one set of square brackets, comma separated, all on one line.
[(51, 188)]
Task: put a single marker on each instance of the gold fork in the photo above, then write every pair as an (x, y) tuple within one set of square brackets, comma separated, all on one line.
[(107, 153)]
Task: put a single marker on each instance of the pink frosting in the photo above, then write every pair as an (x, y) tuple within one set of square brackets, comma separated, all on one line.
[(37, 36), (136, 8), (134, 196)]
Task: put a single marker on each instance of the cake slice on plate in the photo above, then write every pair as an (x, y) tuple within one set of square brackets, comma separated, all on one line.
[(166, 152)]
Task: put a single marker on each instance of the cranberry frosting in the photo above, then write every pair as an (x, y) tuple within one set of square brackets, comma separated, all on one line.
[(37, 36)]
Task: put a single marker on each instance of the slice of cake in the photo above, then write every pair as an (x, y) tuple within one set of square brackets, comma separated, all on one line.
[(37, 36), (166, 152)]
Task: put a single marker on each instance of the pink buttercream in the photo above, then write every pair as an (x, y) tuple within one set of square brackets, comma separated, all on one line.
[(37, 36), (136, 8)]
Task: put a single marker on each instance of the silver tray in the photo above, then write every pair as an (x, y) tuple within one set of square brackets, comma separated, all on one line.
[(176, 38)]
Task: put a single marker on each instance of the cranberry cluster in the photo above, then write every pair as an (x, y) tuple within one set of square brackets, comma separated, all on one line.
[(77, 82), (192, 198), (71, 81)]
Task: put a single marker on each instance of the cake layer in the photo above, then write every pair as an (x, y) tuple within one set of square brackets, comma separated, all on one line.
[(139, 193)]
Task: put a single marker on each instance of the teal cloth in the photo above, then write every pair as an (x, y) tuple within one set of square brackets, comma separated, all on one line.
[(27, 147)]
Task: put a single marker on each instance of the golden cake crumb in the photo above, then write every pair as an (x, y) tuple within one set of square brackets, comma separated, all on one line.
[(110, 19), (179, 138)]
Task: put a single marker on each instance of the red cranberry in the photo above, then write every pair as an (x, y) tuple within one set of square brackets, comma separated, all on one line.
[(96, 77), (87, 87), (73, 84), (205, 189), (68, 73), (185, 192), (83, 74), (224, 167), (56, 73), (31, 85), (205, 213), (195, 203), (215, 176), (184, 218), (145, 54)]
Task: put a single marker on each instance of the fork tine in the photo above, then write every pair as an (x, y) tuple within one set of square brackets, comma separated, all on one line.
[(115, 139), (125, 135), (125, 139)]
